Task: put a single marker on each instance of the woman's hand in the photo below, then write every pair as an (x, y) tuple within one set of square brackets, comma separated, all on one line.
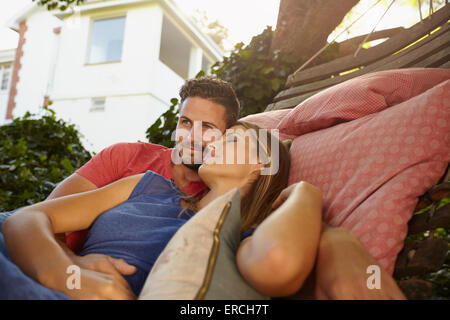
[(288, 191)]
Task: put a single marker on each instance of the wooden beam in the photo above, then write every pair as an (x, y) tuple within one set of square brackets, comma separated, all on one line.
[(386, 48), (349, 46), (423, 48), (435, 60), (414, 58), (445, 65), (289, 103)]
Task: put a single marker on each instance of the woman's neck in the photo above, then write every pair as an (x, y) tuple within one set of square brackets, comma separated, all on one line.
[(215, 192)]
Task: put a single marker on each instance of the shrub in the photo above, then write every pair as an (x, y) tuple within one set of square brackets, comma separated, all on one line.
[(160, 132), (36, 154), (256, 73)]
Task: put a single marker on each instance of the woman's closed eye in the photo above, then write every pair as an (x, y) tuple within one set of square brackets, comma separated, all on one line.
[(232, 138)]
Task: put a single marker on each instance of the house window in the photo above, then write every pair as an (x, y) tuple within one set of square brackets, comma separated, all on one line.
[(6, 75), (107, 40), (98, 104), (175, 49)]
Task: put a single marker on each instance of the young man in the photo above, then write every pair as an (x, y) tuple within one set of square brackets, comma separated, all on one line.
[(206, 104), (211, 104)]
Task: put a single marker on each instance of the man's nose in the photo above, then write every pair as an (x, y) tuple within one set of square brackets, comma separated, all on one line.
[(195, 134)]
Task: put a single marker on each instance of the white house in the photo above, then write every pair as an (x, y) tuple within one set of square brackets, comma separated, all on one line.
[(111, 67), (6, 66)]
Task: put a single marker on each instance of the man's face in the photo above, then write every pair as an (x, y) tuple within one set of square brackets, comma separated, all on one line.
[(201, 122)]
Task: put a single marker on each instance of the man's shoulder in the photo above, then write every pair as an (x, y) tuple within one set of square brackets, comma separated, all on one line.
[(138, 147)]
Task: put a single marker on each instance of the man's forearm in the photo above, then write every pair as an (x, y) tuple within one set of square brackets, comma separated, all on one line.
[(330, 235), (33, 248)]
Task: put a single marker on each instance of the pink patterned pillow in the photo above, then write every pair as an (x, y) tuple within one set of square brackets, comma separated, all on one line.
[(359, 97), (372, 170), (269, 120)]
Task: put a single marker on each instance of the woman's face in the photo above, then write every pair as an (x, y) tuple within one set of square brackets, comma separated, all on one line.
[(234, 156)]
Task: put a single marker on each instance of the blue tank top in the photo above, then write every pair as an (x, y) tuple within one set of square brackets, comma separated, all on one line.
[(138, 229)]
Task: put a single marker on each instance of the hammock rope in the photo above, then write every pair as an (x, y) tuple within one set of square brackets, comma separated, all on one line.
[(365, 40), (376, 25), (334, 40), (420, 9)]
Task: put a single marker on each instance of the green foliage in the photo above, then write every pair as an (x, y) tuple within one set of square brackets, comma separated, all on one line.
[(441, 278), (36, 154), (256, 73), (440, 281), (161, 131), (59, 4)]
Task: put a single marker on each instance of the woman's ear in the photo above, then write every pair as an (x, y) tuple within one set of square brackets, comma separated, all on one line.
[(255, 173), (251, 178)]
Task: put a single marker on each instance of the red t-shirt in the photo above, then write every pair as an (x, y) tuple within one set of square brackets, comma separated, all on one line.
[(122, 160)]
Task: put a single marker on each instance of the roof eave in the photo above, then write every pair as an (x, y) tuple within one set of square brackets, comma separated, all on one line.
[(212, 48)]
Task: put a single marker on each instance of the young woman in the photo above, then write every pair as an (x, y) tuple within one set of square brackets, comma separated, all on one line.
[(134, 218)]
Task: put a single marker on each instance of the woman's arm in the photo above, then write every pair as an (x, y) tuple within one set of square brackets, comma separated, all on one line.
[(29, 233), (280, 254)]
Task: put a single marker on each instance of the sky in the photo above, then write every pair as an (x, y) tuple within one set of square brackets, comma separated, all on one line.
[(244, 18)]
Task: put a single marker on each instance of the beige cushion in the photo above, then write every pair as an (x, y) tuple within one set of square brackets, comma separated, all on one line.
[(199, 262)]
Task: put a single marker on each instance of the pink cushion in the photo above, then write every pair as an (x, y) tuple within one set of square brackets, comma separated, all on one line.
[(359, 97), (372, 170), (269, 120)]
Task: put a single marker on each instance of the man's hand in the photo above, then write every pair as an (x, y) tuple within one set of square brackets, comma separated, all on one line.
[(340, 272), (101, 278), (341, 265), (97, 262), (107, 284)]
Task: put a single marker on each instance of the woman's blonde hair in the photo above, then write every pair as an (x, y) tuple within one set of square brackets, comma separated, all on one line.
[(256, 204)]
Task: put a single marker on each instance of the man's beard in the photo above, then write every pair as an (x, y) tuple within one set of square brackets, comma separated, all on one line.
[(192, 166)]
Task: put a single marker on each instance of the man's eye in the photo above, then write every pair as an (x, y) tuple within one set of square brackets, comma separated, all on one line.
[(185, 122)]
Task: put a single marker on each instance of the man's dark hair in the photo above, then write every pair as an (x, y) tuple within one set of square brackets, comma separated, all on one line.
[(215, 90)]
